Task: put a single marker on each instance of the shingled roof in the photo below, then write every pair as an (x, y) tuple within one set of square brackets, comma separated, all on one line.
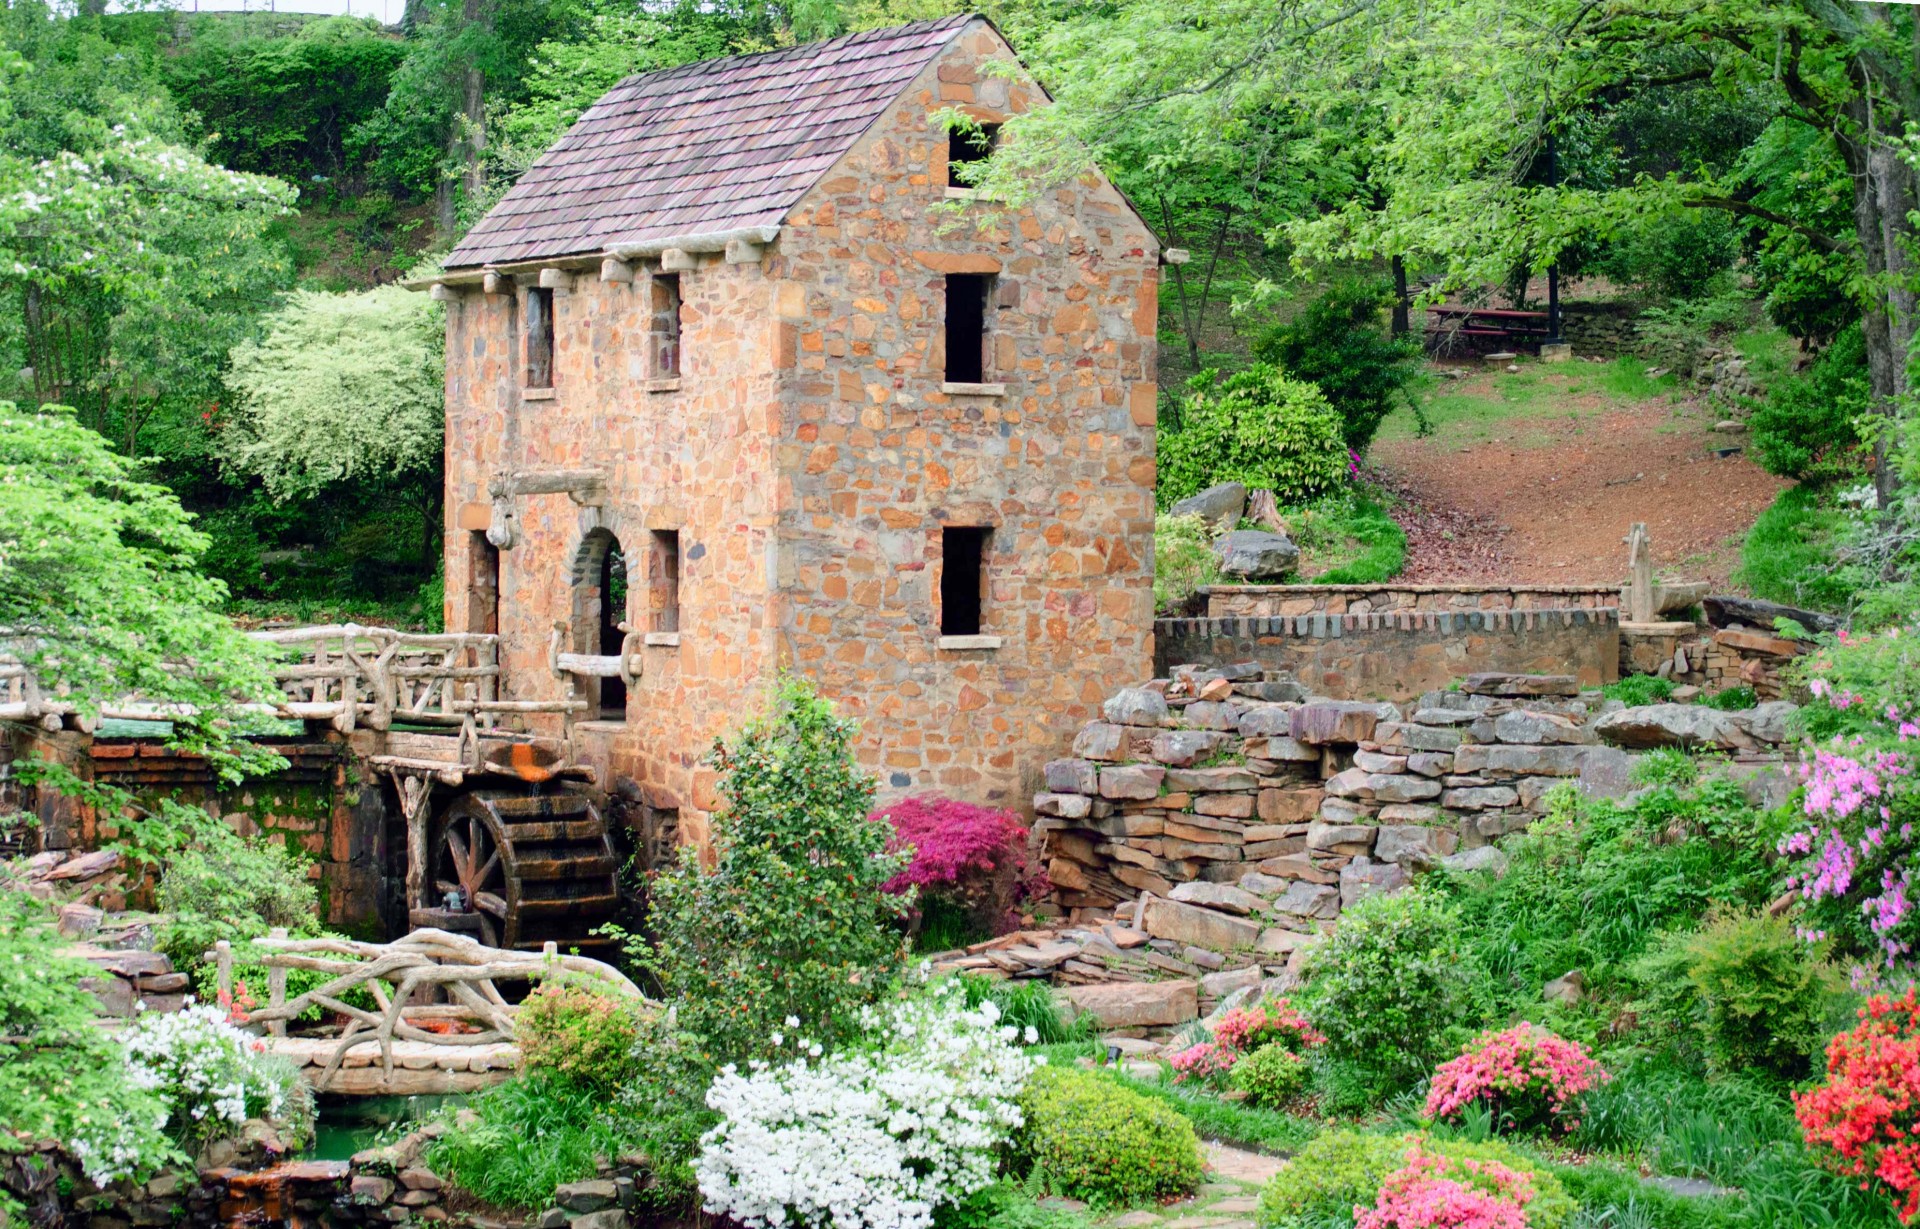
[(716, 146)]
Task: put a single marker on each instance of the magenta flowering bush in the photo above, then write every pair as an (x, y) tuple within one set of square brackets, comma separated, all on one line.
[(1448, 1192), (1854, 850), (972, 856), (1528, 1077), (1245, 1029)]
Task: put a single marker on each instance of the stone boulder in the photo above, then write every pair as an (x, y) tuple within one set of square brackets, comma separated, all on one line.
[(1485, 858), (1768, 722), (1135, 706), (1256, 554), (1672, 725), (1137, 1004), (1217, 896), (1222, 505), (1208, 928)]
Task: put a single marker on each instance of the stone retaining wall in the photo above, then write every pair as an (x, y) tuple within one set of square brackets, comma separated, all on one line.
[(1711, 660), (1246, 815), (1266, 601), (1399, 654)]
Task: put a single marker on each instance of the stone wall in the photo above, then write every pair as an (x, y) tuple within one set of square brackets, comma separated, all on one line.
[(810, 456), (1606, 330), (1268, 601), (1246, 814), (1397, 655), (1709, 659)]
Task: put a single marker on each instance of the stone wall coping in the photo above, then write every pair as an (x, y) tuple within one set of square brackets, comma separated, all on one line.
[(1390, 587)]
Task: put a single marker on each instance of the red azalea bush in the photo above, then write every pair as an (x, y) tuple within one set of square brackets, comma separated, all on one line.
[(1863, 1121), (1440, 1192), (971, 856), (1527, 1076)]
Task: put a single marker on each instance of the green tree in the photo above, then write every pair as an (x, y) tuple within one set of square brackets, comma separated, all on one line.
[(789, 920), (1339, 343), (1256, 426), (101, 592), (343, 389)]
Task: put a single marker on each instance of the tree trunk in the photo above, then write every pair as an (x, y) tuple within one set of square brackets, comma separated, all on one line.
[(1402, 322), (1884, 199)]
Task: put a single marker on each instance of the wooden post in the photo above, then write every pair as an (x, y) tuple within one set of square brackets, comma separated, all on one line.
[(1640, 603), (223, 968), (277, 986)]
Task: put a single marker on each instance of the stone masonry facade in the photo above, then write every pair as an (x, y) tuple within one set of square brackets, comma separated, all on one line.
[(810, 459)]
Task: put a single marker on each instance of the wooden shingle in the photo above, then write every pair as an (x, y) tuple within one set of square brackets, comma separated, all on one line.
[(714, 146)]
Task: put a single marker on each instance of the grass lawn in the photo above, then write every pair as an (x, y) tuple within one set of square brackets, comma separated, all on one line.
[(1490, 400)]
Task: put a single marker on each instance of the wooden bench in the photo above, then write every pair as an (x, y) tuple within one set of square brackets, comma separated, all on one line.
[(1454, 329)]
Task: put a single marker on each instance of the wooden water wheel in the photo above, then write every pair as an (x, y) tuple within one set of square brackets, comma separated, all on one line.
[(529, 867)]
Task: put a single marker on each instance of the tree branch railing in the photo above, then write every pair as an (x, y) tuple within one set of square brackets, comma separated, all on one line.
[(426, 962), (345, 674)]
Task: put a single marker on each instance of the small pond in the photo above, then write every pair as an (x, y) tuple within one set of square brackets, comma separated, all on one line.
[(346, 1125)]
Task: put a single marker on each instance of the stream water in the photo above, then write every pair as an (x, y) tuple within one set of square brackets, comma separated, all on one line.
[(346, 1125)]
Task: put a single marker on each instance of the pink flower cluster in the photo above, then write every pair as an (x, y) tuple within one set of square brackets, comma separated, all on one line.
[(1435, 1192), (973, 855), (1207, 1062), (1858, 787), (1525, 1073), (1245, 1029)]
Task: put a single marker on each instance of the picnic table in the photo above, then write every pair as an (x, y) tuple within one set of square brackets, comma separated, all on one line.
[(1449, 325)]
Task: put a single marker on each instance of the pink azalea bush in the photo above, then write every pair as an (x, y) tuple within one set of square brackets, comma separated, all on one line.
[(1245, 1029), (1239, 1032), (1528, 1077), (1439, 1192), (1854, 853), (972, 856), (1207, 1062)]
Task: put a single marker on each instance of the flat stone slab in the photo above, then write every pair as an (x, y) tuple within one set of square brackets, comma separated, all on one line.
[(419, 1068), (1241, 1165)]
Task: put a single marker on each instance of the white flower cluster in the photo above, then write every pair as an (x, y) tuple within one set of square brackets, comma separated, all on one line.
[(206, 1070), (875, 1138), (112, 1146)]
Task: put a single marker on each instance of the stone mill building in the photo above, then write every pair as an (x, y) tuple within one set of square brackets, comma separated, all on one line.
[(741, 379)]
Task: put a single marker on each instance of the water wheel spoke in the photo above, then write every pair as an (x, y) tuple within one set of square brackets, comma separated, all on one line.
[(462, 857), (485, 877), (487, 902)]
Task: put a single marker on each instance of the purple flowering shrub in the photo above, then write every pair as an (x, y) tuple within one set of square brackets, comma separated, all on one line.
[(968, 857), (1854, 849)]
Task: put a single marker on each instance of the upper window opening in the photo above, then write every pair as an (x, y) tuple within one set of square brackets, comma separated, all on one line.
[(967, 327), (539, 337), (963, 578), (966, 145), (665, 326)]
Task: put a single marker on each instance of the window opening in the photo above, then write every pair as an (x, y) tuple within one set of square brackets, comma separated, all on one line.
[(539, 337), (613, 610), (967, 327), (963, 578), (666, 324), (483, 584), (665, 578), (966, 145)]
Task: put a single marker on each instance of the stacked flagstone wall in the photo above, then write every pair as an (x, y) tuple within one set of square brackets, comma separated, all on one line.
[(1248, 813)]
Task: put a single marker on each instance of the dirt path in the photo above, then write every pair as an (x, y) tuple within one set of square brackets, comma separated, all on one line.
[(1547, 495)]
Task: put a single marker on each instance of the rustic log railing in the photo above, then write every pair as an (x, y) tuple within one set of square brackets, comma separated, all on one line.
[(424, 963), (345, 674)]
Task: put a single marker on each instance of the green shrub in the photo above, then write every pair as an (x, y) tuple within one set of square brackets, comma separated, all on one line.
[(1343, 1169), (530, 1134), (1349, 523), (1804, 429), (580, 1033), (227, 887), (1753, 992), (1256, 426), (1028, 1005), (1637, 689), (1733, 699), (1788, 555), (1679, 255), (1272, 1075), (1387, 988), (1088, 1138), (1328, 1178), (1183, 560), (1340, 342), (790, 920)]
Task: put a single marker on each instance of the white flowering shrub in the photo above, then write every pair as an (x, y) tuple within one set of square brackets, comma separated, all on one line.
[(212, 1076), (872, 1138)]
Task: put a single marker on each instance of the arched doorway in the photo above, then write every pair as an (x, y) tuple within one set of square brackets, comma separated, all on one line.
[(599, 607)]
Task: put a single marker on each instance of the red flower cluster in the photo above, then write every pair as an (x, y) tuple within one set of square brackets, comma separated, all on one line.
[(974, 854), (1246, 1029), (1527, 1075), (1863, 1120)]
